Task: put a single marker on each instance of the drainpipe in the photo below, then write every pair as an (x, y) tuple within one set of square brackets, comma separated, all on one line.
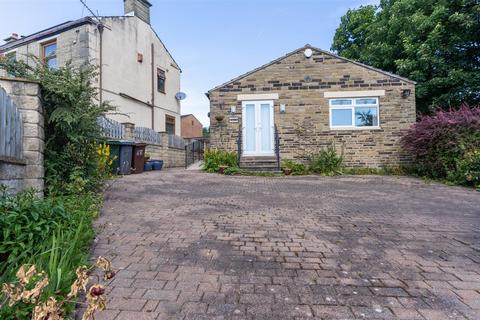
[(100, 76), (153, 88)]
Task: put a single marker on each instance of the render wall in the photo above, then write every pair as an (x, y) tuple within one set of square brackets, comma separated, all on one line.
[(28, 173), (304, 128), (123, 40)]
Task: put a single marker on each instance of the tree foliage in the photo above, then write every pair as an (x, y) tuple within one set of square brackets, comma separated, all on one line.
[(434, 42), (72, 133)]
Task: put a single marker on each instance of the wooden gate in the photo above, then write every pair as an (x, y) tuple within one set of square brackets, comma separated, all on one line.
[(11, 129)]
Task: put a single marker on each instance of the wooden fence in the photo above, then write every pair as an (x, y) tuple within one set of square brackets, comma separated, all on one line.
[(147, 135), (11, 129), (111, 128)]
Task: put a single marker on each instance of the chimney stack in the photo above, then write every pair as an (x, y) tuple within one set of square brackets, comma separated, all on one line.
[(11, 38), (139, 8)]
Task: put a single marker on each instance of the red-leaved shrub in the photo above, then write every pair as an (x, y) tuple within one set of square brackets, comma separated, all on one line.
[(438, 143)]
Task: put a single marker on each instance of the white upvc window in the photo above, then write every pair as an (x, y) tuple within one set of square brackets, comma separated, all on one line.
[(354, 113)]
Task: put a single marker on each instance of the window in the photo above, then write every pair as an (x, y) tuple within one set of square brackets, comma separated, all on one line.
[(170, 124), (161, 80), (49, 54), (354, 113)]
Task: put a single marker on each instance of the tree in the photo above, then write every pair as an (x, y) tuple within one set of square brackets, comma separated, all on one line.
[(434, 42)]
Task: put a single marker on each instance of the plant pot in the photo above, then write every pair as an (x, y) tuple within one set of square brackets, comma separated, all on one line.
[(287, 171), (221, 169), (219, 118)]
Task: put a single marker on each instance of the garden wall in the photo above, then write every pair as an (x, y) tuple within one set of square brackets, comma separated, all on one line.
[(27, 172)]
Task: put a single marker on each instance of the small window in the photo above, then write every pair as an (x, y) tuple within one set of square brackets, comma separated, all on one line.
[(49, 54), (170, 124), (161, 80), (354, 113)]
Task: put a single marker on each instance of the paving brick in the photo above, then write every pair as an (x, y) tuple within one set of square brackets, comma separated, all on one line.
[(325, 248)]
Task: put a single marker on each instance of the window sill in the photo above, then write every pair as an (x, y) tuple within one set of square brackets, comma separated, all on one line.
[(355, 128)]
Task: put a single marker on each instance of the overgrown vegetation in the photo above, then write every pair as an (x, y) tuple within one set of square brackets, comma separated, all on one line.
[(446, 146), (213, 159), (54, 233), (434, 42), (294, 168), (327, 162)]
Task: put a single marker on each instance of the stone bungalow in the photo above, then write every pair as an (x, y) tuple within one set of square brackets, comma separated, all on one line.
[(313, 98)]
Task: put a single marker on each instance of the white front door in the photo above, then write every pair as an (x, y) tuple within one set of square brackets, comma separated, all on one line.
[(257, 123)]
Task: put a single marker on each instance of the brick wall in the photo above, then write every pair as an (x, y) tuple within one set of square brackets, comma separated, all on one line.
[(191, 127), (304, 127), (30, 172)]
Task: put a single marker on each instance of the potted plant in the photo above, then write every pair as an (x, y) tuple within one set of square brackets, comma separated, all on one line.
[(147, 157), (221, 169), (219, 117), (287, 171)]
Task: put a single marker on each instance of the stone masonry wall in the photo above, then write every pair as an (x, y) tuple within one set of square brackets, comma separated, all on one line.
[(304, 128), (29, 173)]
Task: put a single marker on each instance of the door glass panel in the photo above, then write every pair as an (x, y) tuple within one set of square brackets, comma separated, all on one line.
[(266, 139), (250, 127)]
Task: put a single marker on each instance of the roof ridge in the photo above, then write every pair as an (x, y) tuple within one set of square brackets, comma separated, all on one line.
[(309, 46)]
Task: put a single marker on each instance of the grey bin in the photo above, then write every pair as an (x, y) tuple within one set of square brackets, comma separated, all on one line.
[(123, 165)]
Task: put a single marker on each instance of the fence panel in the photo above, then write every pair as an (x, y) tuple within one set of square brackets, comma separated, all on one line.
[(111, 128), (11, 128), (176, 141), (147, 135)]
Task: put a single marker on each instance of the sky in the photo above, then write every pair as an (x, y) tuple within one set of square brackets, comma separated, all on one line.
[(213, 41)]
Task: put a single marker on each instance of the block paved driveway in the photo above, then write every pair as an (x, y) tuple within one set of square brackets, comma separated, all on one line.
[(192, 245)]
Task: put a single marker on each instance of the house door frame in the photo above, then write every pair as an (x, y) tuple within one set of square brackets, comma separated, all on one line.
[(258, 128)]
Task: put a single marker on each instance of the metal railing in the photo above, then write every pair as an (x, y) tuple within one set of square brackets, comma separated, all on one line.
[(110, 128), (176, 141), (239, 145), (194, 152), (277, 147), (147, 135)]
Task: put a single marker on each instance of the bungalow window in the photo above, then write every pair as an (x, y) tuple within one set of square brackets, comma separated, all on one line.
[(354, 113), (161, 80), (170, 124), (49, 54)]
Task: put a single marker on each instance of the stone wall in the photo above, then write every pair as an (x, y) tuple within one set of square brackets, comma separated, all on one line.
[(28, 173), (304, 128), (172, 157)]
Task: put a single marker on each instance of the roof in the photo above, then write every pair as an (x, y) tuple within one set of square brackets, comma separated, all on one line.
[(191, 115), (48, 32), (307, 46), (67, 26)]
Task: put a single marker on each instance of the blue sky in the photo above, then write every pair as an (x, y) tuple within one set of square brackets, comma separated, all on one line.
[(212, 40)]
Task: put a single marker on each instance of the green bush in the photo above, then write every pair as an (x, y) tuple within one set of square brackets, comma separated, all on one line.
[(326, 162), (213, 159), (467, 171), (296, 168), (231, 171), (52, 233)]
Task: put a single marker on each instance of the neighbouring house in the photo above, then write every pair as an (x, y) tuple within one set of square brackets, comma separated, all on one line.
[(136, 72), (309, 99), (191, 127)]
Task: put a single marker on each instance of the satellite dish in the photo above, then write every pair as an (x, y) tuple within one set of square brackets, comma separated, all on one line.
[(180, 96), (308, 52)]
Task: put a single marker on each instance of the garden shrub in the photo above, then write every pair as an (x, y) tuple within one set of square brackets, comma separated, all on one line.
[(295, 167), (231, 171), (327, 161), (213, 159), (445, 145), (54, 233)]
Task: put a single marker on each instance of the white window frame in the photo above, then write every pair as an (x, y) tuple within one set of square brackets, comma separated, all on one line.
[(352, 108)]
